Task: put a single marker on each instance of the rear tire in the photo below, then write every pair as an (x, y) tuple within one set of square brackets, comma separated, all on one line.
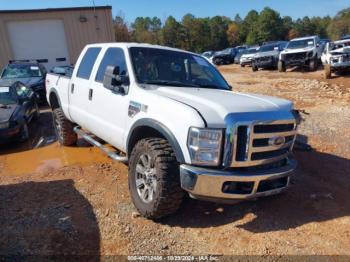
[(64, 128), (327, 71), (281, 66), (154, 178)]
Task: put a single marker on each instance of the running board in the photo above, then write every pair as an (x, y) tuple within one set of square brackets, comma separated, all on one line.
[(93, 142)]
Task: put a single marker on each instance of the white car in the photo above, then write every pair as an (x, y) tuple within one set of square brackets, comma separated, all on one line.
[(247, 57), (173, 118), (336, 57), (304, 51)]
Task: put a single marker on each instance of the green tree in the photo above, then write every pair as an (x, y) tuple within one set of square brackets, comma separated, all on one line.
[(270, 26), (121, 30), (172, 33), (340, 25)]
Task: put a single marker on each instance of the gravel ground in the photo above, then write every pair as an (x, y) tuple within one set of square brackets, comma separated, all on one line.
[(56, 200)]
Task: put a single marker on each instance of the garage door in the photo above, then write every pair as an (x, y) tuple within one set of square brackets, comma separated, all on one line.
[(43, 40)]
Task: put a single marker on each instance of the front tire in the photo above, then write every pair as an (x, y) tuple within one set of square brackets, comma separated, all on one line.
[(281, 66), (254, 68), (313, 64), (327, 71), (154, 178), (64, 128)]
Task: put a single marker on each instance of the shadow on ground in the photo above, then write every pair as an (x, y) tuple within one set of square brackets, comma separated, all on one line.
[(48, 218), (319, 192)]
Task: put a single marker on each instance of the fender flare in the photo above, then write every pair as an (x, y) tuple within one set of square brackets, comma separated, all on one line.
[(53, 90), (148, 122)]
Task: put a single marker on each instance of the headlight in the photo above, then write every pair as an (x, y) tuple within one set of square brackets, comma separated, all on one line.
[(205, 146), (4, 125)]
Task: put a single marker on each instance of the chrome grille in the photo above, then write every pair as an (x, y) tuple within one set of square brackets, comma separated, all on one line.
[(254, 143)]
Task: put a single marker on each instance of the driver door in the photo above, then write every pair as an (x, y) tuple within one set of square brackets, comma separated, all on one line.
[(107, 109)]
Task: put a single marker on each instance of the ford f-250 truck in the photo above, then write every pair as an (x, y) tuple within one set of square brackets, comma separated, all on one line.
[(173, 118)]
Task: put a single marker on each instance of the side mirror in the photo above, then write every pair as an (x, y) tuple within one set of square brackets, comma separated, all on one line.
[(114, 81)]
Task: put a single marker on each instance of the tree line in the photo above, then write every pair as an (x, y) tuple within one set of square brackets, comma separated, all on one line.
[(216, 33)]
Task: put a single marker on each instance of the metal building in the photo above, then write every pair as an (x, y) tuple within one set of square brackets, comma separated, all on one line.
[(54, 36)]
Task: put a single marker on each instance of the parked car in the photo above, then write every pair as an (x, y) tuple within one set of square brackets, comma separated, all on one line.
[(18, 107), (305, 52), (345, 37), (239, 55), (32, 74), (336, 57), (268, 55), (247, 57), (225, 57), (208, 54), (173, 118)]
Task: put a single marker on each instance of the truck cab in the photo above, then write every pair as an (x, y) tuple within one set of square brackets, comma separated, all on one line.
[(174, 119)]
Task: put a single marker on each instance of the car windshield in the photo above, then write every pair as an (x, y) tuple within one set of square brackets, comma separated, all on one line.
[(174, 68), (8, 95), (301, 43), (267, 48), (251, 51), (21, 71)]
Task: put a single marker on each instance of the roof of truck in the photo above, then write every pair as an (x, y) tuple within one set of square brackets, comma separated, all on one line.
[(304, 38), (129, 45), (342, 41)]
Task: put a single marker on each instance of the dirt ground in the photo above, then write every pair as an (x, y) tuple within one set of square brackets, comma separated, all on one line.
[(56, 200)]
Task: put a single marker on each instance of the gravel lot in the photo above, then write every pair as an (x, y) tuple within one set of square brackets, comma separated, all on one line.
[(56, 200)]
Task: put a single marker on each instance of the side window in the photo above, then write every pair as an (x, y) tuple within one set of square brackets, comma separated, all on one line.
[(112, 57), (87, 63)]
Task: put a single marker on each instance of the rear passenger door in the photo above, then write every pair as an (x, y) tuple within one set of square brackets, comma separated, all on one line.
[(79, 89), (108, 109)]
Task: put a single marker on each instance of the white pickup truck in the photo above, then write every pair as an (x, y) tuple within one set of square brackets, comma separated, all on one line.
[(173, 118), (304, 52)]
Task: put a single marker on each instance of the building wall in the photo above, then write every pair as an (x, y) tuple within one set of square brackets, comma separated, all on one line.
[(97, 28)]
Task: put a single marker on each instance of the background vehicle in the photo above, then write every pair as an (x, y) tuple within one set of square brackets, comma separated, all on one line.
[(268, 55), (224, 57), (305, 51), (18, 107), (208, 54), (336, 57), (247, 57), (31, 74), (63, 70), (172, 116)]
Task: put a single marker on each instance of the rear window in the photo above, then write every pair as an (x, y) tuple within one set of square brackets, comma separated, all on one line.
[(87, 63)]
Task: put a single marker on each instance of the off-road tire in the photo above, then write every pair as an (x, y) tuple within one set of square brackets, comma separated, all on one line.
[(168, 195), (281, 66), (327, 71), (313, 64), (242, 65), (254, 68), (65, 133)]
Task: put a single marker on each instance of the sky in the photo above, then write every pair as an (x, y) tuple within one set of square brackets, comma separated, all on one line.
[(200, 8)]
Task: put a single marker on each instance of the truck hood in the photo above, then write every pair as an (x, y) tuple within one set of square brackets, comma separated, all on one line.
[(248, 55), (343, 50), (6, 112), (297, 50), (270, 53), (214, 105), (28, 81)]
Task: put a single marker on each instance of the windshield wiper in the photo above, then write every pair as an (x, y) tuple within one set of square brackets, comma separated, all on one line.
[(212, 87), (168, 83)]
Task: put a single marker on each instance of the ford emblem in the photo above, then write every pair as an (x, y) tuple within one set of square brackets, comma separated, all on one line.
[(277, 141)]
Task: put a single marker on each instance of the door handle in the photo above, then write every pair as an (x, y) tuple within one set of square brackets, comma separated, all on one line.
[(72, 88), (90, 93)]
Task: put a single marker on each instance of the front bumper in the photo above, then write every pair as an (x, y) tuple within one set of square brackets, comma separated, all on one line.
[(262, 63), (246, 62), (211, 184), (340, 65), (10, 134)]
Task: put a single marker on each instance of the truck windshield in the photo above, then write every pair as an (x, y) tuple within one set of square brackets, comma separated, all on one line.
[(21, 71), (173, 68), (267, 48), (8, 96), (301, 43)]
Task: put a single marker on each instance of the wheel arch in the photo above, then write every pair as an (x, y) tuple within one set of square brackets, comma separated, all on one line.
[(144, 128), (54, 99)]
